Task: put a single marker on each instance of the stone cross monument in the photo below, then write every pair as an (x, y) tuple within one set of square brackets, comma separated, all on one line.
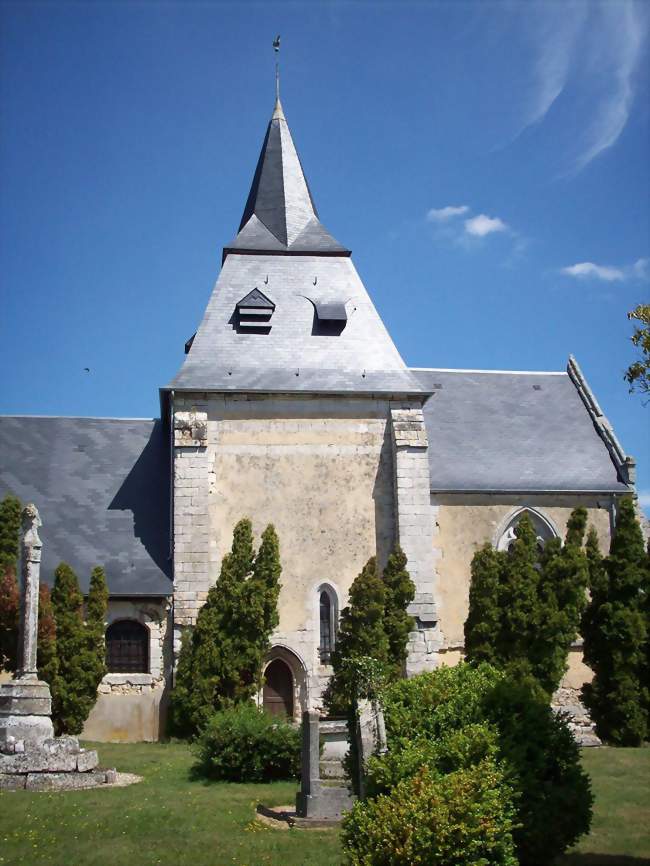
[(30, 756), (25, 702), (31, 565)]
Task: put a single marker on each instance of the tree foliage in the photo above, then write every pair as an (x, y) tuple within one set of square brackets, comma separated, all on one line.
[(361, 634), (9, 617), (637, 374), (615, 634), (484, 617), (525, 606), (10, 519), (457, 718), (399, 592), (220, 663), (95, 627), (74, 688), (47, 658)]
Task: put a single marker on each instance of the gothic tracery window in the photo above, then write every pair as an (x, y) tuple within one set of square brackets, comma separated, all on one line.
[(127, 647), (543, 530)]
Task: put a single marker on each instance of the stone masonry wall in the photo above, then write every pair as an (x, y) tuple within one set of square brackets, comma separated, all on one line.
[(417, 529), (319, 468)]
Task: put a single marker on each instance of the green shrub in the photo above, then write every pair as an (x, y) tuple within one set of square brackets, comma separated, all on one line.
[(464, 818), (452, 716), (245, 744), (454, 750)]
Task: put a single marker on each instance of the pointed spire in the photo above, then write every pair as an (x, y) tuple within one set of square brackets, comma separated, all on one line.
[(280, 215)]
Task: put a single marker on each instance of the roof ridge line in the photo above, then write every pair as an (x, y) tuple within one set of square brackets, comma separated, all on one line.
[(624, 463), (504, 372)]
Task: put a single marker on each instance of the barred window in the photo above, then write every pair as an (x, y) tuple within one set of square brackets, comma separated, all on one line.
[(127, 647), (328, 624)]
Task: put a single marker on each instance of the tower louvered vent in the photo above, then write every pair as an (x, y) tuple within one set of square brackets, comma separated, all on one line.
[(253, 313)]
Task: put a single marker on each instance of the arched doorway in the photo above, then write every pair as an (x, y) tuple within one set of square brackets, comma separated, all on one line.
[(277, 696)]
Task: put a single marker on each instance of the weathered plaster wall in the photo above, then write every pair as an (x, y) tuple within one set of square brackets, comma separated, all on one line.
[(131, 706), (319, 469), (467, 521)]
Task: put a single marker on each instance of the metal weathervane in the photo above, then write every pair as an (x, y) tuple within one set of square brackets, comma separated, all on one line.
[(276, 49)]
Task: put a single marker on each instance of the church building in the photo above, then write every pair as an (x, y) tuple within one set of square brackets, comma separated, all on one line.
[(293, 406)]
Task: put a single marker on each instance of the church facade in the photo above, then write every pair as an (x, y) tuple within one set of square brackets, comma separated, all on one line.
[(294, 407)]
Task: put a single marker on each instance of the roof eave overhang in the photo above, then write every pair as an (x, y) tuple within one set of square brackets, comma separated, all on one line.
[(342, 253), (517, 491)]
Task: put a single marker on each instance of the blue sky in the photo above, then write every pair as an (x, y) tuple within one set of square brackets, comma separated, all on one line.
[(486, 162)]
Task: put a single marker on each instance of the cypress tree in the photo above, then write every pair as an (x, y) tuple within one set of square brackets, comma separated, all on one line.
[(9, 618), (95, 630), (260, 601), (47, 659), (615, 638), (562, 601), (484, 618), (525, 605), (518, 601), (361, 635), (220, 662), (10, 519), (71, 693), (399, 592)]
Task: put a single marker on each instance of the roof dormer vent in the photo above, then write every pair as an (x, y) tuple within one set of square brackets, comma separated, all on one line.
[(253, 313)]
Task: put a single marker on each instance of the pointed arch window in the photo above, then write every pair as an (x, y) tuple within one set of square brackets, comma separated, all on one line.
[(544, 530), (328, 620)]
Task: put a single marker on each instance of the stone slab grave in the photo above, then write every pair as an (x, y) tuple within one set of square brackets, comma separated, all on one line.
[(31, 757)]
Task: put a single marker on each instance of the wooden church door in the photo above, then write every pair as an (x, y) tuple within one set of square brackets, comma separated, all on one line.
[(278, 689)]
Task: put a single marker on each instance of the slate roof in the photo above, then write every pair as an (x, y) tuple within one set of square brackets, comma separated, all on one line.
[(280, 215), (294, 355), (502, 431), (102, 489)]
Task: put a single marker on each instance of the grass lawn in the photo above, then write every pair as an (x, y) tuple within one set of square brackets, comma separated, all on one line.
[(172, 820), (620, 830)]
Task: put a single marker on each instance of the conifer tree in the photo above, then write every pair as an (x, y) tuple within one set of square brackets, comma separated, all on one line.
[(518, 601), (47, 659), (260, 601), (220, 662), (615, 636), (95, 630), (525, 606), (562, 601), (9, 618), (10, 520), (484, 618), (361, 635), (399, 593), (73, 695)]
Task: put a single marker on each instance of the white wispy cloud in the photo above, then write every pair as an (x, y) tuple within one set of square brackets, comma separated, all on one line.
[(607, 273), (617, 45), (590, 53), (482, 225), (443, 214), (555, 32)]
